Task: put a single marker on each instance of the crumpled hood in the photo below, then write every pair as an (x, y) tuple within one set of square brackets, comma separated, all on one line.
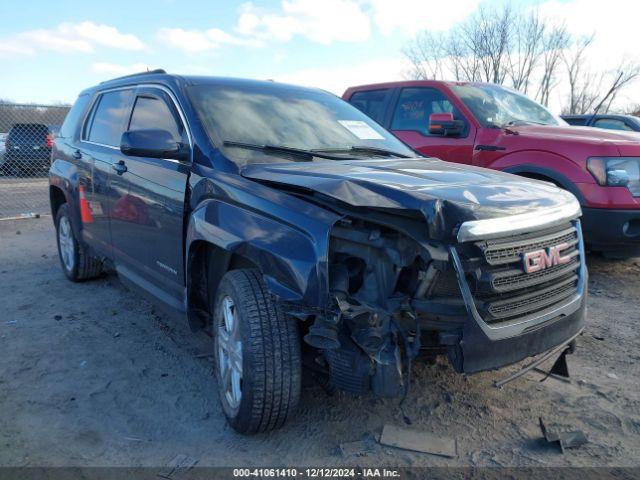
[(446, 193)]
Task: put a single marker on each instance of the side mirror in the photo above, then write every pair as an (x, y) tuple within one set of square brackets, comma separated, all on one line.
[(154, 143), (444, 124)]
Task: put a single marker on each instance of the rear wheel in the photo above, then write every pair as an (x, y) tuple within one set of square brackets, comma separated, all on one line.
[(76, 263), (258, 365)]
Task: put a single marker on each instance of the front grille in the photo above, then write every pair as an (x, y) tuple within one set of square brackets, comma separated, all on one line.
[(503, 291), (523, 304), (500, 252)]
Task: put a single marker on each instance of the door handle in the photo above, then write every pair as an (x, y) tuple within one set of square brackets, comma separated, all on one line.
[(119, 167), (77, 154)]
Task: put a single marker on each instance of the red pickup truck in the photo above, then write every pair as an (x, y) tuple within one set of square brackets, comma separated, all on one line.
[(495, 127)]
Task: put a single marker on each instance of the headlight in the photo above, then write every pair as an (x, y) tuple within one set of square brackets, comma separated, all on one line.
[(616, 172)]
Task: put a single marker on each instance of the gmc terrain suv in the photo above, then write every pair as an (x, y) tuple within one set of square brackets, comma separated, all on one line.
[(269, 213), (495, 127)]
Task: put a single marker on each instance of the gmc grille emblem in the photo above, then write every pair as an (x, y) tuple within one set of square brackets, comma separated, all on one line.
[(545, 258)]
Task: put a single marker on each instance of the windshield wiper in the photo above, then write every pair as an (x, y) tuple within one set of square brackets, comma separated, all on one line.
[(309, 154), (364, 149), (521, 121)]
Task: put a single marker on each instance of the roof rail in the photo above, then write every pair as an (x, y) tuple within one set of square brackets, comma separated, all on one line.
[(148, 72)]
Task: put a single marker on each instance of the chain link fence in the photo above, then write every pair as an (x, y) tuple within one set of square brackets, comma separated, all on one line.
[(27, 133)]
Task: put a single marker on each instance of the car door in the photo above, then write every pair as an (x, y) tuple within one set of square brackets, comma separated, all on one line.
[(148, 228), (97, 153), (410, 123)]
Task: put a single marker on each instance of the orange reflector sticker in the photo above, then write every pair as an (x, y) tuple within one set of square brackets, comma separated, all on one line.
[(85, 210)]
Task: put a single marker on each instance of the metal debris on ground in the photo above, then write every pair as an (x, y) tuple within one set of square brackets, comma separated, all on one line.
[(563, 439), (411, 439), (179, 463)]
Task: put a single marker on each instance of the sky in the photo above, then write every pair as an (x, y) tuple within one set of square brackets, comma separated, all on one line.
[(50, 51)]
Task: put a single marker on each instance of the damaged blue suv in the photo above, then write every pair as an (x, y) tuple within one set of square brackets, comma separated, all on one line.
[(297, 231)]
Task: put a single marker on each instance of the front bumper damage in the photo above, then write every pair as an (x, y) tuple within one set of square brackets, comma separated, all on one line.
[(479, 346), (399, 297)]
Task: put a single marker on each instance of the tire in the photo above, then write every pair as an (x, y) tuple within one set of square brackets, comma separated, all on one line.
[(270, 370), (76, 263)]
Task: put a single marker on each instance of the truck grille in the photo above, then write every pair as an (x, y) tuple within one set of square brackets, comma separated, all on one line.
[(503, 291)]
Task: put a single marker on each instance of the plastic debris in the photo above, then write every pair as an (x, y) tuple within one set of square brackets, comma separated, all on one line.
[(417, 441), (563, 439)]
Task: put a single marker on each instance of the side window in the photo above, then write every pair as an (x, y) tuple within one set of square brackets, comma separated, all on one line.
[(152, 112), (611, 124), (73, 117), (371, 103), (108, 118), (415, 105), (576, 121)]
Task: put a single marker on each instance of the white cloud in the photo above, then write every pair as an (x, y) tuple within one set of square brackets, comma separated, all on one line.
[(117, 69), (337, 79), (107, 36), (412, 16), (323, 22), (194, 41), (80, 37)]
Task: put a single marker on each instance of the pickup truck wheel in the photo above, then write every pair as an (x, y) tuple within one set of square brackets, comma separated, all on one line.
[(258, 364), (76, 263)]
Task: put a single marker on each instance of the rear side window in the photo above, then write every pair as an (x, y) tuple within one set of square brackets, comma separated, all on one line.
[(108, 119), (415, 105), (611, 124), (151, 112), (28, 132), (73, 117), (371, 103)]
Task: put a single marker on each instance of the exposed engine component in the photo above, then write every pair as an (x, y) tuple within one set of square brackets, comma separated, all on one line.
[(374, 274)]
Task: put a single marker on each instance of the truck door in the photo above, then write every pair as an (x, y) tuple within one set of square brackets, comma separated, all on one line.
[(150, 211), (410, 123)]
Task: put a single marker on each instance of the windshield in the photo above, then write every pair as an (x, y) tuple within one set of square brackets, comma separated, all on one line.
[(276, 115), (494, 105)]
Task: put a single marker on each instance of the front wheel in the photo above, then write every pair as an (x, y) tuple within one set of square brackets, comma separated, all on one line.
[(258, 365), (76, 263)]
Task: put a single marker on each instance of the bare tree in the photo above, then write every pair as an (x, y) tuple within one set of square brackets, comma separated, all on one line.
[(554, 42), (426, 55), (486, 36), (588, 91), (581, 83), (506, 46), (479, 49), (627, 72), (526, 50)]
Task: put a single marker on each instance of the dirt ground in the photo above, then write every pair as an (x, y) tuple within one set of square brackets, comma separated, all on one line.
[(91, 375)]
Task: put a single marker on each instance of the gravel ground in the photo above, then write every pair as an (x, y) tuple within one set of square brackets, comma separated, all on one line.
[(93, 375)]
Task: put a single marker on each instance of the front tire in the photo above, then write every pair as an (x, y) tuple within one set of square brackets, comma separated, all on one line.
[(258, 365), (76, 263)]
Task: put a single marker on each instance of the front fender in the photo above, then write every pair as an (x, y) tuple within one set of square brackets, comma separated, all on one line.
[(561, 170), (293, 260)]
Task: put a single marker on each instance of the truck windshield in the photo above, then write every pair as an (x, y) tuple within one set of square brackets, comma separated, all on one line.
[(494, 105), (284, 118)]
